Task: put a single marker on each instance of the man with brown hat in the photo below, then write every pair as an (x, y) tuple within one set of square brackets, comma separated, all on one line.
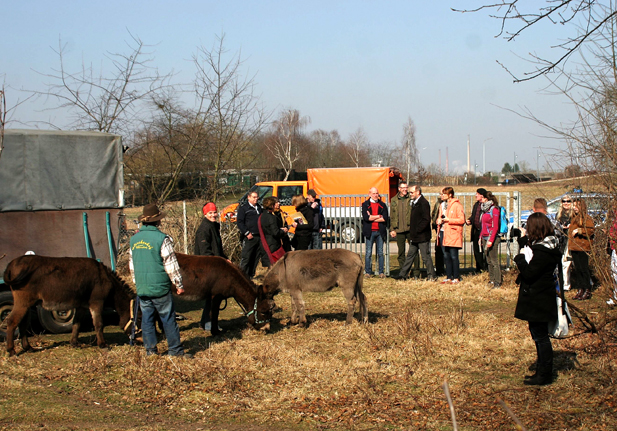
[(154, 268)]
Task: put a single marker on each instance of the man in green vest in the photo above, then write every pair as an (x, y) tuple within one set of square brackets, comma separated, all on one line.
[(154, 268)]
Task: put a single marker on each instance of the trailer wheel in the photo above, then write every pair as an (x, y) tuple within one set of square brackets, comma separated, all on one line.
[(6, 306), (350, 233), (56, 322)]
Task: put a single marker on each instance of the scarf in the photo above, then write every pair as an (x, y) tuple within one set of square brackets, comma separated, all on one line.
[(486, 206)]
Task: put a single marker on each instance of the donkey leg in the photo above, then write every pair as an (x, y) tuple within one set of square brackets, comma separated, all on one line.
[(351, 304), (14, 319), (300, 315), (96, 311), (79, 313), (294, 310)]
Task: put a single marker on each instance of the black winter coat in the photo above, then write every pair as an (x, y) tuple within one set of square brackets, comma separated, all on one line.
[(420, 221), (246, 220), (272, 231), (208, 239), (537, 294), (304, 232)]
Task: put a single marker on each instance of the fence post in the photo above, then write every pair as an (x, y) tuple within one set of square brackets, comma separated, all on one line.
[(186, 247)]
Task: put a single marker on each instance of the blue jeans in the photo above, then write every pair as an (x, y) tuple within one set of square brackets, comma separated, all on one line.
[(450, 256), (378, 241), (164, 305), (317, 242)]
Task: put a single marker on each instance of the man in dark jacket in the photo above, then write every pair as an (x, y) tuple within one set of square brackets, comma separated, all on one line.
[(252, 250), (440, 266), (319, 222), (375, 230), (420, 232), (400, 212), (476, 228), (208, 243)]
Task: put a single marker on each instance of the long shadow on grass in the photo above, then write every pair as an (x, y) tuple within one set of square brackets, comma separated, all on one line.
[(276, 324)]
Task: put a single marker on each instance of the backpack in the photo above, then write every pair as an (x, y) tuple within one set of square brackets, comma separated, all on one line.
[(503, 221)]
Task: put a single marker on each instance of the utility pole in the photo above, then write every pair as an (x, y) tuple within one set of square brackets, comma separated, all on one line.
[(468, 154), (484, 155)]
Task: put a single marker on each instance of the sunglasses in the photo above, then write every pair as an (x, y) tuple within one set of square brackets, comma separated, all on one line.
[(563, 201)]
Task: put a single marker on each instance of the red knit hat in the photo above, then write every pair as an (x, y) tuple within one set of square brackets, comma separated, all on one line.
[(209, 207)]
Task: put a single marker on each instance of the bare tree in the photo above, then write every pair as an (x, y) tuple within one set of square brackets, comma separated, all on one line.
[(410, 149), (587, 17), (283, 142), (108, 101), (357, 144), (227, 101), (196, 145)]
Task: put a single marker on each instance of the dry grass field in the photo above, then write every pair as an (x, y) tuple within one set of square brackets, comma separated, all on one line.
[(385, 375)]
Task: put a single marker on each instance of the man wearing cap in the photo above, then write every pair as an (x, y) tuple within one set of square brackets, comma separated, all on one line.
[(252, 251), (476, 227), (319, 222), (208, 243), (154, 269)]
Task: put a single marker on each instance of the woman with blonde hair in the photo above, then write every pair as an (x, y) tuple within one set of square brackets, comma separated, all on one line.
[(303, 223), (450, 222), (580, 238), (562, 219)]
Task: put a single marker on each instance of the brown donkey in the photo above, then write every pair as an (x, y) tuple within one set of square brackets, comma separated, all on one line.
[(61, 284)]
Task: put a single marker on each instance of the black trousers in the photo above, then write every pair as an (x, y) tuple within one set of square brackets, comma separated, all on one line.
[(581, 276), (252, 252), (478, 255)]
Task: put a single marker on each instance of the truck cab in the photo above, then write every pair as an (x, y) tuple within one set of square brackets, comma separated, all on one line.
[(284, 190)]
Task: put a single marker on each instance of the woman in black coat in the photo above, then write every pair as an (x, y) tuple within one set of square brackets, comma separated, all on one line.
[(271, 224), (208, 243), (537, 302), (304, 226)]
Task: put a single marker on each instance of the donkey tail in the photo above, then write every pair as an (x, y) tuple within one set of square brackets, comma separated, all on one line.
[(360, 295)]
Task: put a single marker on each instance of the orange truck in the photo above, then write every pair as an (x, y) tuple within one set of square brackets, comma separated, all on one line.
[(329, 182)]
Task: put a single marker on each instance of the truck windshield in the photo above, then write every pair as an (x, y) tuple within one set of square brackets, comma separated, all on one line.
[(262, 192)]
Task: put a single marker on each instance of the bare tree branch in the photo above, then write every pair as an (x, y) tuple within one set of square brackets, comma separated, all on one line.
[(358, 142), (105, 101), (284, 140), (592, 17)]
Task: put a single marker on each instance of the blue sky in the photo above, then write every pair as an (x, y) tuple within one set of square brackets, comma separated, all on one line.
[(345, 64)]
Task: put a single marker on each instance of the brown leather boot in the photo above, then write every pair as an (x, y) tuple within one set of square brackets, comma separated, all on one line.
[(579, 293), (586, 295)]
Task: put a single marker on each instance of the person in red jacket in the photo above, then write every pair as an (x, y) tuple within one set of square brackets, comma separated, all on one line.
[(489, 237)]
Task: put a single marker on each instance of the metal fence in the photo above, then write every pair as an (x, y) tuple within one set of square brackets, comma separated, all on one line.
[(344, 225)]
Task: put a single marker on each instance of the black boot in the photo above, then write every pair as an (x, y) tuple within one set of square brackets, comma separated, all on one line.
[(544, 373), (534, 366)]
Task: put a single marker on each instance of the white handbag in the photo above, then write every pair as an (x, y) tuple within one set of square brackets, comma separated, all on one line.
[(559, 328)]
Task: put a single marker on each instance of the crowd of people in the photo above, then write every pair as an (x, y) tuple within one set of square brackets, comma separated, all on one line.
[(563, 242)]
